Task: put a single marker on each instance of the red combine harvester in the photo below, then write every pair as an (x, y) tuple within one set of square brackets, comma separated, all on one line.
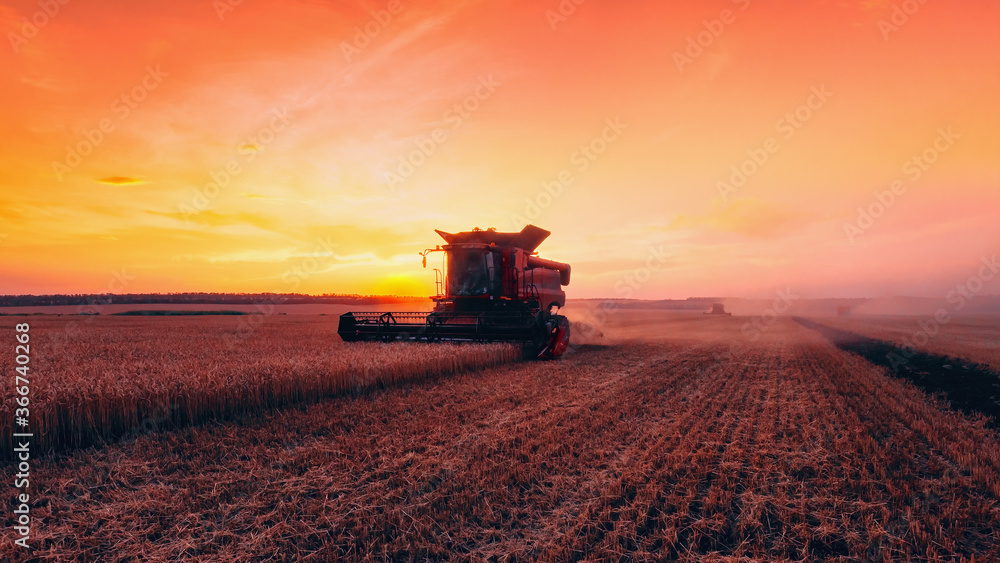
[(494, 288)]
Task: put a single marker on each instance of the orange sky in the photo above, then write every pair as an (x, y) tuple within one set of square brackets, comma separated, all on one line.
[(312, 121)]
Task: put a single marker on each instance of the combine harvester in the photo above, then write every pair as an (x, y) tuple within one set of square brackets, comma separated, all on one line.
[(494, 288)]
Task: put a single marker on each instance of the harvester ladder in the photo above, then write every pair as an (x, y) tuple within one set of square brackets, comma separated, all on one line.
[(439, 282)]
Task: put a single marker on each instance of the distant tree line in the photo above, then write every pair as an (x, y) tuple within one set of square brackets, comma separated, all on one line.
[(199, 298)]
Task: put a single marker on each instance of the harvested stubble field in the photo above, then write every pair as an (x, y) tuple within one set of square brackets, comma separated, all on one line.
[(954, 364), (676, 447)]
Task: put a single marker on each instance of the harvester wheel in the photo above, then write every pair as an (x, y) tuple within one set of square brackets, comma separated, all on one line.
[(555, 338)]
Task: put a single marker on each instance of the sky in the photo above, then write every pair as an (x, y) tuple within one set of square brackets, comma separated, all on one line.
[(738, 148)]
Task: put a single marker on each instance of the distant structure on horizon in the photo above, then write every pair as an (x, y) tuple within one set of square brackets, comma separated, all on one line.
[(719, 309), (844, 311)]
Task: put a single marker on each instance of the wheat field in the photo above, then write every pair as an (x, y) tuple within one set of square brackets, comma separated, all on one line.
[(108, 378)]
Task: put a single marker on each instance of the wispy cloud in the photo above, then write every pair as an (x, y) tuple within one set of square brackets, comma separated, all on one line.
[(260, 197), (121, 180), (749, 217), (211, 218)]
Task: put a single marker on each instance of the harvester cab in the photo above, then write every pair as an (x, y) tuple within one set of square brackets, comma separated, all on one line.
[(493, 288)]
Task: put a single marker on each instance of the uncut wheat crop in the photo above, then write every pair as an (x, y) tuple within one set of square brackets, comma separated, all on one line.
[(97, 379), (973, 339)]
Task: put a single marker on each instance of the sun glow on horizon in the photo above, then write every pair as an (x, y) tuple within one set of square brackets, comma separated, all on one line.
[(314, 147)]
